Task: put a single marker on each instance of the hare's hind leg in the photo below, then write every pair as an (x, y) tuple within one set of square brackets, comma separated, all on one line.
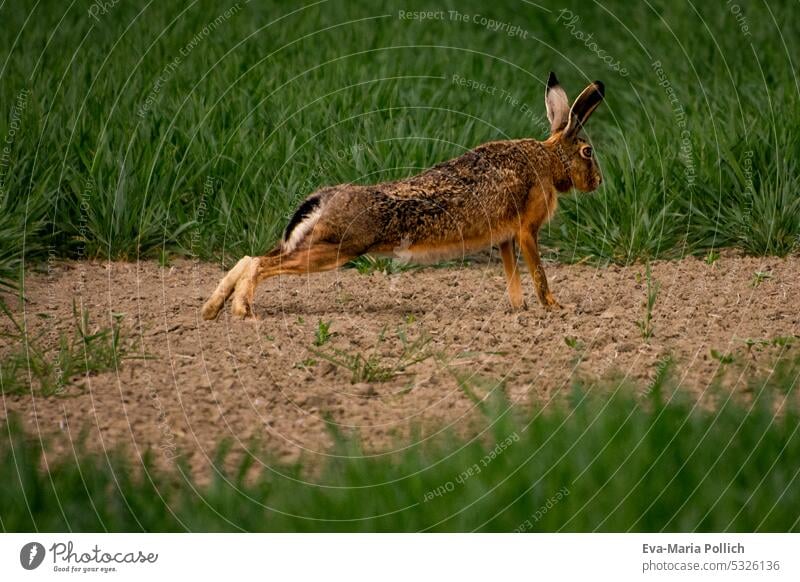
[(307, 259), (509, 255), (224, 289), (229, 283), (530, 250)]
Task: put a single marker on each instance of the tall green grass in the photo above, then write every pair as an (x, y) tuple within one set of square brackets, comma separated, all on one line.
[(605, 461), (132, 139)]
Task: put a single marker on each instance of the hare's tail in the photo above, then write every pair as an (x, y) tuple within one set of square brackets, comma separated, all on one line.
[(302, 222)]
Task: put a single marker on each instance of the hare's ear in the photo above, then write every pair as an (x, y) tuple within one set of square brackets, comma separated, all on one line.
[(583, 107), (555, 100)]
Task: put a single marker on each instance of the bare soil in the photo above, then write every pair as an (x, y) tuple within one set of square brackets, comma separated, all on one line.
[(265, 380)]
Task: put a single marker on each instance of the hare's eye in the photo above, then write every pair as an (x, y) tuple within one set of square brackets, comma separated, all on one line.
[(586, 152)]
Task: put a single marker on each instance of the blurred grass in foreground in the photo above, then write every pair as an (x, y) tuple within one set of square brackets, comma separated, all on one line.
[(607, 461)]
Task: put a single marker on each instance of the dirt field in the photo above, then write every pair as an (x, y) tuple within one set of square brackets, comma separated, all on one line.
[(246, 380)]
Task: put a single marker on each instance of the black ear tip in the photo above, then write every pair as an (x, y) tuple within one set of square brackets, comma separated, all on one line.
[(601, 88), (552, 80)]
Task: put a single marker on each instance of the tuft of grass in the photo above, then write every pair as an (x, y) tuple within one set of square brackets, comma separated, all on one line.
[(759, 277), (50, 370), (659, 464), (306, 364), (711, 258), (323, 333), (368, 264), (652, 288), (783, 341), (722, 358), (376, 367), (363, 368)]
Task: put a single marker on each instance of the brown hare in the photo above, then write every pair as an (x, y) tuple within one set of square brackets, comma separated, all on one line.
[(495, 194)]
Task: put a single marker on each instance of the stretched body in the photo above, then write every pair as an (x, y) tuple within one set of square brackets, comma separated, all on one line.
[(499, 193)]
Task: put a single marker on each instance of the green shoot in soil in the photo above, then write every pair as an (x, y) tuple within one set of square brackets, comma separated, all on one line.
[(646, 324), (323, 333)]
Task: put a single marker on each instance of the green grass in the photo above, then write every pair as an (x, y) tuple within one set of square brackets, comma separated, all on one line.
[(124, 143), (323, 333), (368, 264), (652, 288), (48, 369), (374, 365), (612, 461)]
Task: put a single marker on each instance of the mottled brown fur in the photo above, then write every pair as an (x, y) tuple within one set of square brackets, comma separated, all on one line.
[(495, 194)]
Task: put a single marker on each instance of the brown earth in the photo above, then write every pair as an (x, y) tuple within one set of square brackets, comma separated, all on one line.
[(245, 380)]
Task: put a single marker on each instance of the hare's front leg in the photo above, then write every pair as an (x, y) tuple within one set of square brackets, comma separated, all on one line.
[(511, 268), (530, 250)]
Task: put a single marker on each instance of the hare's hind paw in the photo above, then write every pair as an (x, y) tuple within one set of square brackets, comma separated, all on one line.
[(211, 308), (226, 286), (242, 304), (240, 307)]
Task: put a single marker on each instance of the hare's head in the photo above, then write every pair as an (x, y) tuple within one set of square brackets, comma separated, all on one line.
[(577, 165)]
